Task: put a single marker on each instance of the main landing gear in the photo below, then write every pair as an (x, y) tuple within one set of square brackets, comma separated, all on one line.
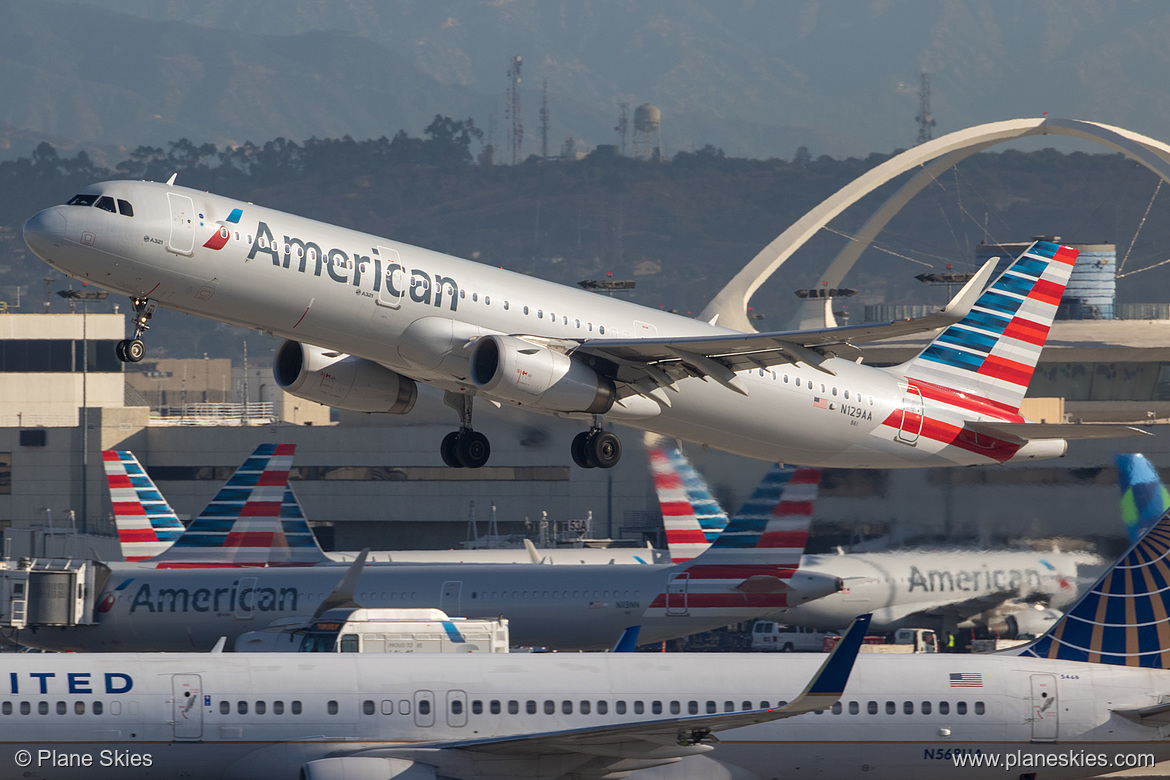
[(596, 449), (464, 448), (133, 350)]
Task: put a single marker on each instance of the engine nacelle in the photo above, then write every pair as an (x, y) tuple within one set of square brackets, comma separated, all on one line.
[(525, 373), (341, 380)]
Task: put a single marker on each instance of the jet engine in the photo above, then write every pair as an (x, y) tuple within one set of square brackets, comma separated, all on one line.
[(340, 380), (525, 373)]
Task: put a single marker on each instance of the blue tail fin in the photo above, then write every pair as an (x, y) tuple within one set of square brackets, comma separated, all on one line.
[(1144, 499)]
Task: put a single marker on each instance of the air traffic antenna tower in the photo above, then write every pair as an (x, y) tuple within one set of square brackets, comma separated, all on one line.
[(925, 119), (514, 107)]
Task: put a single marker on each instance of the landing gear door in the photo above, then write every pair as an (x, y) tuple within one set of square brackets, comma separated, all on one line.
[(910, 425), (187, 710), (181, 240), (395, 280), (1045, 708)]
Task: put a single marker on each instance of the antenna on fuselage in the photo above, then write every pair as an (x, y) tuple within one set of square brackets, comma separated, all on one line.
[(171, 181)]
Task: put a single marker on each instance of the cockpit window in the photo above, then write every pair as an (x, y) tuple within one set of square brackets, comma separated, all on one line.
[(82, 200), (124, 208), (106, 203)]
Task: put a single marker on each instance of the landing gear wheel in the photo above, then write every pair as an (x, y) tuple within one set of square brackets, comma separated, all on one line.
[(604, 448), (580, 450), (472, 449), (447, 450), (120, 350), (134, 351)]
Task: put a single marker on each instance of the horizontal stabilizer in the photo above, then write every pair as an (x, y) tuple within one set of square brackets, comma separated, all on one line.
[(763, 583), (1030, 431)]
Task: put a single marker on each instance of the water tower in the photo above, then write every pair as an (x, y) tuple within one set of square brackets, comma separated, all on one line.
[(647, 132)]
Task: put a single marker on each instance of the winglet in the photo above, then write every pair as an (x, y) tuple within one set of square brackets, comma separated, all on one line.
[(342, 595), (829, 682), (627, 641)]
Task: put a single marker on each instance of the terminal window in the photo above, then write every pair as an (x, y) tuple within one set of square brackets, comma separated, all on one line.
[(5, 473), (28, 356)]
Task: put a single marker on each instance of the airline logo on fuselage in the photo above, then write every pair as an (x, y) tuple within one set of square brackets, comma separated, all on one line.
[(985, 579), (235, 598), (386, 275), (78, 683)]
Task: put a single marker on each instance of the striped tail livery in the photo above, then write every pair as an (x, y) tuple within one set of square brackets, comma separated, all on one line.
[(146, 524)]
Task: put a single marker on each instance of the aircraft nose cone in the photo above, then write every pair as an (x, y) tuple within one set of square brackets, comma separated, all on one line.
[(44, 230)]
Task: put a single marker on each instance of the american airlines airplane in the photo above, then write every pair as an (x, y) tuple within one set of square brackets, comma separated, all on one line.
[(148, 527), (366, 318), (246, 565), (1087, 698), (940, 589)]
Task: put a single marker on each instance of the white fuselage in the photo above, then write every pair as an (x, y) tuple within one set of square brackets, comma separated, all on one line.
[(264, 716), (934, 589), (581, 607), (322, 285)]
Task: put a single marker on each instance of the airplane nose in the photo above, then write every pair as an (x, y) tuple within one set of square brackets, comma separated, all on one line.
[(45, 230)]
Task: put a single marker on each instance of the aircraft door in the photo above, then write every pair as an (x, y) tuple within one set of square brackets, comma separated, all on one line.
[(456, 709), (187, 712), (910, 424), (449, 599), (395, 280), (1045, 708), (182, 237), (424, 708), (676, 595), (245, 598)]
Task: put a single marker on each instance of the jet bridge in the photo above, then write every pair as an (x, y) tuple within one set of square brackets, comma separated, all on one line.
[(49, 592)]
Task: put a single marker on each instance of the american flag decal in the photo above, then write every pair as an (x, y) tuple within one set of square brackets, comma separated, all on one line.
[(967, 680), (821, 403)]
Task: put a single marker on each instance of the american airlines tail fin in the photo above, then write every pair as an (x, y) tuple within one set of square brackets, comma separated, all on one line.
[(984, 362), (254, 520), (755, 561), (145, 521), (1144, 499), (691, 517), (1124, 619)]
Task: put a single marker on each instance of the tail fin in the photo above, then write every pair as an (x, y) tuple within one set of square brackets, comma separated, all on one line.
[(991, 353), (1122, 620), (1144, 499), (146, 523), (691, 516), (254, 520)]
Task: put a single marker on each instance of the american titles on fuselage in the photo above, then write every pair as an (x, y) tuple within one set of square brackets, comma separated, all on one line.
[(352, 267), (941, 580)]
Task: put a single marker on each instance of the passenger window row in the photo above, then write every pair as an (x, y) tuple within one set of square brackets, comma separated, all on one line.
[(260, 707), (61, 708)]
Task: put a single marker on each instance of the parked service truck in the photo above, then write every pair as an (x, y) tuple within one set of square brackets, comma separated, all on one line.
[(776, 637), (357, 630)]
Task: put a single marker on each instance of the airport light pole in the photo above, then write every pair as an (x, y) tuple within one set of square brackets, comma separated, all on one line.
[(85, 296)]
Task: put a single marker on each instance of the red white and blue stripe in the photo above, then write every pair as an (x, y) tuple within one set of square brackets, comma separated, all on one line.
[(145, 522)]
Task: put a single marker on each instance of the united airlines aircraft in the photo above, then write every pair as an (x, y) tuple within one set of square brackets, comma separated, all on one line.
[(367, 318), (250, 561), (942, 589), (1087, 698)]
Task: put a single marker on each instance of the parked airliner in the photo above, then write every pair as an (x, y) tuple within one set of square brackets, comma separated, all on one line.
[(366, 318), (244, 565), (941, 589), (1088, 698)]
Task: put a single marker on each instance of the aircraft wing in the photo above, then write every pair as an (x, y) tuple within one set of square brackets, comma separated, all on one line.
[(1028, 431), (663, 360), (663, 740)]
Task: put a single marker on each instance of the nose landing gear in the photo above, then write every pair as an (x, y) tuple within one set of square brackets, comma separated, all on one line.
[(133, 350)]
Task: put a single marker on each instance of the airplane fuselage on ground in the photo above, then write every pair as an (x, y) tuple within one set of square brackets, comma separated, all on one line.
[(267, 716), (418, 313), (564, 607)]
